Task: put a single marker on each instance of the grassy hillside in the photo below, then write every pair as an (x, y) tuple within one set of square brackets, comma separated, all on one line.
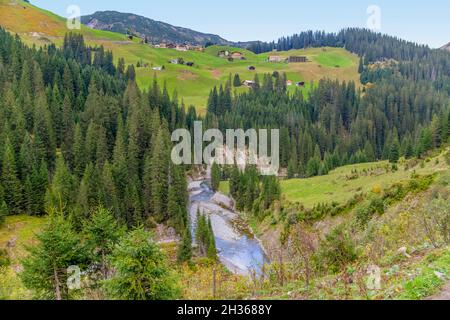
[(193, 84), (342, 184)]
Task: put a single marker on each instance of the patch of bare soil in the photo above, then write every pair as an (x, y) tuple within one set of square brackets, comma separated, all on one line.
[(187, 75), (444, 295), (216, 73)]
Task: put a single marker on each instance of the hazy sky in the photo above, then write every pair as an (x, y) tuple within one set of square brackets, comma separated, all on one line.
[(426, 22)]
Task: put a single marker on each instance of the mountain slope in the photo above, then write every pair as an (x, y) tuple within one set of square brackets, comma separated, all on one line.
[(155, 31), (40, 27), (446, 47)]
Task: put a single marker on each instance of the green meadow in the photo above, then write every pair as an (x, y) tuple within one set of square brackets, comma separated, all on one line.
[(341, 184)]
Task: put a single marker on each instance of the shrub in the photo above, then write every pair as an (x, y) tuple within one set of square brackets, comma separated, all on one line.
[(336, 251), (4, 258), (376, 189), (364, 214), (436, 221)]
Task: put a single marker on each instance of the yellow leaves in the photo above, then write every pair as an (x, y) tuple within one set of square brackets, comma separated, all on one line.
[(377, 189)]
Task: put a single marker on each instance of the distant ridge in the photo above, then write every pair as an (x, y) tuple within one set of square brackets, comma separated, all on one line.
[(446, 47), (154, 31)]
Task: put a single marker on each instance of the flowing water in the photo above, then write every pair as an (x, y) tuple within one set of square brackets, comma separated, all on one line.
[(237, 247)]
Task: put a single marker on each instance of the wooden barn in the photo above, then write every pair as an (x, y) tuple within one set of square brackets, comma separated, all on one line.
[(297, 59)]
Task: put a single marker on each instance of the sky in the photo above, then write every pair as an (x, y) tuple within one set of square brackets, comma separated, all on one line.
[(424, 22)]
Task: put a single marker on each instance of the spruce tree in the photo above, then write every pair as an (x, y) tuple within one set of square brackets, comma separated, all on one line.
[(102, 233), (211, 242), (45, 268), (141, 270), (216, 176), (237, 81), (184, 253), (160, 174), (62, 190), (12, 187), (394, 152)]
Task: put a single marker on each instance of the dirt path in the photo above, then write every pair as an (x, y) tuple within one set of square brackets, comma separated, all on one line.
[(444, 295)]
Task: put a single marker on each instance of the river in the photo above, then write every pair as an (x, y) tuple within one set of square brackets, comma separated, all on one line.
[(237, 247)]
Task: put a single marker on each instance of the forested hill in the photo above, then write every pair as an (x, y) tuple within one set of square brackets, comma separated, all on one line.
[(403, 111), (414, 62), (153, 31), (77, 133), (373, 46)]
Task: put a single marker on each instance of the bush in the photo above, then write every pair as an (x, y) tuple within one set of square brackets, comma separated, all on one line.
[(141, 270), (364, 214), (436, 221), (4, 258), (336, 251)]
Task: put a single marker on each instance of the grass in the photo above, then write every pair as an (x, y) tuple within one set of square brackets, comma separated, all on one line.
[(224, 187), (427, 282), (22, 228), (193, 84), (339, 186)]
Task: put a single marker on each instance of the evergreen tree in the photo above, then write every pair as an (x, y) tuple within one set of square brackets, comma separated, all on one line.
[(184, 253), (102, 233), (160, 174), (237, 81), (141, 270), (216, 176), (45, 268), (211, 244), (62, 190), (394, 153), (12, 189)]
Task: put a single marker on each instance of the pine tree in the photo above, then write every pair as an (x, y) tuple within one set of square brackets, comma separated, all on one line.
[(3, 212), (12, 188), (160, 174), (173, 208), (211, 244), (119, 166), (184, 253), (3, 207), (78, 151), (35, 188), (45, 268), (216, 176), (43, 131), (361, 65), (62, 190), (141, 270), (394, 153), (109, 196), (292, 168), (213, 101), (90, 145), (102, 233), (133, 203), (237, 81)]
